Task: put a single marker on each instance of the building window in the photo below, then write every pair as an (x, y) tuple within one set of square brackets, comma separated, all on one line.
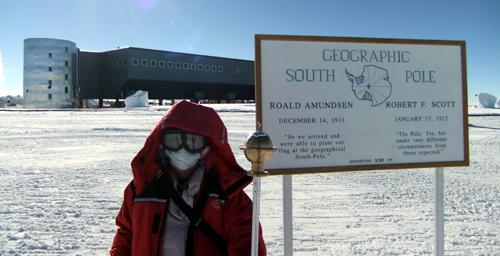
[(200, 67), (124, 62), (152, 63), (161, 64), (65, 76), (144, 62), (115, 63), (27, 90), (214, 68), (221, 69), (185, 66), (66, 63), (207, 67), (50, 69), (50, 84), (135, 62), (50, 96), (66, 89), (50, 55), (170, 64), (193, 66), (178, 65)]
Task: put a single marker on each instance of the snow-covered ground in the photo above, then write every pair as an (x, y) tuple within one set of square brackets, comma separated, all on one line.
[(62, 175)]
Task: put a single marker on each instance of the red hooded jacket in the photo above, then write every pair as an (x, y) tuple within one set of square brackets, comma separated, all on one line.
[(228, 210)]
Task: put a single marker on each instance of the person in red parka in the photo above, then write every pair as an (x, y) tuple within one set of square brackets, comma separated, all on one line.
[(186, 197)]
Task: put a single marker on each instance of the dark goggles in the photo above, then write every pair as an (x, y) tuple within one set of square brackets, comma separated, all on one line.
[(175, 140)]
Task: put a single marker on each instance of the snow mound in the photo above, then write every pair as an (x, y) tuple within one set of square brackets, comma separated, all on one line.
[(10, 101), (487, 100), (497, 105), (137, 100)]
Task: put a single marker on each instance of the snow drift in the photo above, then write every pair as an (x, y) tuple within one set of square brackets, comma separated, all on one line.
[(487, 100), (137, 100)]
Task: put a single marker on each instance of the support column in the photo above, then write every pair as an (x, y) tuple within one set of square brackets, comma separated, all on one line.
[(287, 215), (439, 212), (255, 216)]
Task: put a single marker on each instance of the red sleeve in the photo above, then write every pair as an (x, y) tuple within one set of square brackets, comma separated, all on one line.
[(123, 237), (238, 227)]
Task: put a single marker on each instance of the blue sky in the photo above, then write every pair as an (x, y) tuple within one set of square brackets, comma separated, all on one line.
[(227, 28)]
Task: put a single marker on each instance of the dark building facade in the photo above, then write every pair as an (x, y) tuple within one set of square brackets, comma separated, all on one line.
[(57, 74), (118, 73)]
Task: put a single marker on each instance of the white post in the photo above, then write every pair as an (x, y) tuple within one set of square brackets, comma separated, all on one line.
[(439, 212), (255, 215), (287, 215)]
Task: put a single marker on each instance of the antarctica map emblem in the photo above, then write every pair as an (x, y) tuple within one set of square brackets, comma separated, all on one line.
[(372, 85)]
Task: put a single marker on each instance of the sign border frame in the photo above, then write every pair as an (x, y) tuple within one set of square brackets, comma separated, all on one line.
[(348, 168)]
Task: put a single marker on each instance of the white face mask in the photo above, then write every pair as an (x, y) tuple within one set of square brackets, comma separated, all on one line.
[(182, 159)]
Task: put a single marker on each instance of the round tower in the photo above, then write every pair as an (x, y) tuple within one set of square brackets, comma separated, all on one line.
[(49, 73)]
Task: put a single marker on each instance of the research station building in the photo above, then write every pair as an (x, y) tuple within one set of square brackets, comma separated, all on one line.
[(57, 74)]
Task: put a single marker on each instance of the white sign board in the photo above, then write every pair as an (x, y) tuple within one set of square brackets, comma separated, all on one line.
[(343, 104)]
